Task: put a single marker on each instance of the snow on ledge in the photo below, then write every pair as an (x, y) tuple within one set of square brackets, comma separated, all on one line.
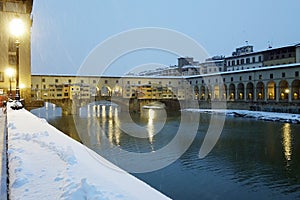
[(44, 163), (259, 115)]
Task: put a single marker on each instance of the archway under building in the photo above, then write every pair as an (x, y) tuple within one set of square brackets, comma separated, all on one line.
[(224, 92), (202, 92), (284, 90), (295, 90), (260, 87), (240, 91), (209, 91), (196, 92), (271, 90), (231, 91), (250, 91), (216, 92)]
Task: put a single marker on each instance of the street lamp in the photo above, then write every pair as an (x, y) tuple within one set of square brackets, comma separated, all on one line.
[(17, 29), (10, 73)]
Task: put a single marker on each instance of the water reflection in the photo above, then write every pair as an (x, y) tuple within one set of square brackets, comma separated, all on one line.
[(101, 122), (105, 120), (48, 111), (150, 127), (287, 142)]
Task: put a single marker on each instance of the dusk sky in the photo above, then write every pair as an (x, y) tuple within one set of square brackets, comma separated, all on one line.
[(65, 32)]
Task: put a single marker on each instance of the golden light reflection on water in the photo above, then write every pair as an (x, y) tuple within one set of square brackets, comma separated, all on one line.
[(106, 124), (287, 141), (150, 126), (117, 129), (109, 119)]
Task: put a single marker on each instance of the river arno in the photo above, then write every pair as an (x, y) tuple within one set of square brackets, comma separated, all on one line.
[(251, 160)]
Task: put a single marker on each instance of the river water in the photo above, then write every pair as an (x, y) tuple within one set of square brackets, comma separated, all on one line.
[(251, 160)]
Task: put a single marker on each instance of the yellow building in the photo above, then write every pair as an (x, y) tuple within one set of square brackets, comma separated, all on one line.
[(79, 91), (9, 10)]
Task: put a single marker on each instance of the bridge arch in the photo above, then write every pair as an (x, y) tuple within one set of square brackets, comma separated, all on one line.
[(105, 90)]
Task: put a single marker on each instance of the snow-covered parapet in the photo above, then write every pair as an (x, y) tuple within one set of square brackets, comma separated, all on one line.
[(44, 163), (267, 116)]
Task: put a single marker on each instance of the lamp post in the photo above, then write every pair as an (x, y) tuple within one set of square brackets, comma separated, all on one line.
[(17, 29), (10, 73)]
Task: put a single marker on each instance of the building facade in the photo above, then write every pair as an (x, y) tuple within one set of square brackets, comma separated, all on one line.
[(9, 10), (269, 84), (213, 65), (278, 83), (244, 58), (52, 86)]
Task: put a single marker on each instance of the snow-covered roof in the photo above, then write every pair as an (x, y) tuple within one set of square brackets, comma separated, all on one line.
[(263, 51), (246, 70), (189, 66)]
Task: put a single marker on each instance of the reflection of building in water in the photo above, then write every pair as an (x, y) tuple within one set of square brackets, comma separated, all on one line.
[(150, 126), (287, 141), (117, 130)]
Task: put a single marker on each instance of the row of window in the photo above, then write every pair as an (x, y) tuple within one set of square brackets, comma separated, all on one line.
[(283, 75), (70, 81), (243, 61), (242, 68), (106, 81), (282, 56)]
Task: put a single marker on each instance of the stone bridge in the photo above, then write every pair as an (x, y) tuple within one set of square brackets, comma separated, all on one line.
[(68, 106), (71, 107)]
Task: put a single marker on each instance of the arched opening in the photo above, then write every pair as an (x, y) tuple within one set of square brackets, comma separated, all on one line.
[(209, 90), (231, 91), (284, 90), (260, 87), (224, 92), (250, 91), (295, 90), (271, 90), (196, 92), (216, 92), (240, 91), (202, 92), (105, 91)]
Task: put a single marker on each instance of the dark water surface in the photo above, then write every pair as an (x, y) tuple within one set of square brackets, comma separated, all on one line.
[(251, 160)]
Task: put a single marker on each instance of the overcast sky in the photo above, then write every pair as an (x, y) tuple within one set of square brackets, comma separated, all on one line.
[(64, 32)]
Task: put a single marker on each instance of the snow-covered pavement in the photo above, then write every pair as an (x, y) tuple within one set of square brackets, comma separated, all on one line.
[(3, 186), (259, 115), (46, 164)]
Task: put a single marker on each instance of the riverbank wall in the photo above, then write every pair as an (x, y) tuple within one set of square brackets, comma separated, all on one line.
[(282, 107)]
